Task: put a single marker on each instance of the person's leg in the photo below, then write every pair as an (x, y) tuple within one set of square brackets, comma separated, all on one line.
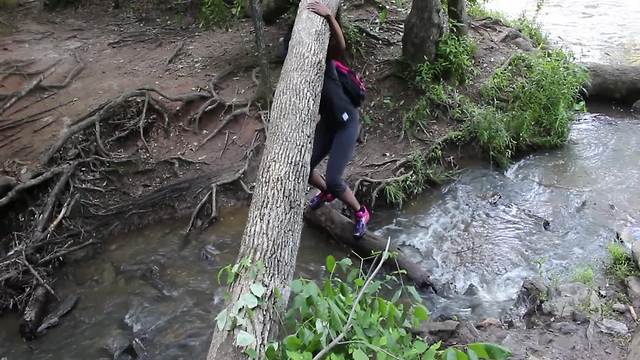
[(321, 145), (342, 148)]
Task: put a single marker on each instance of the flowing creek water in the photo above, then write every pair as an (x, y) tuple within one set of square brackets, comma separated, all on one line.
[(480, 236)]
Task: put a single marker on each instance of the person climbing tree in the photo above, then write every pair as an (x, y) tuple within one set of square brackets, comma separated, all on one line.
[(337, 131)]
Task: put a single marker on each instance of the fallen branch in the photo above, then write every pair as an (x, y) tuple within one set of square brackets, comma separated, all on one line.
[(33, 182), (26, 89), (72, 74), (176, 52), (37, 276), (341, 229)]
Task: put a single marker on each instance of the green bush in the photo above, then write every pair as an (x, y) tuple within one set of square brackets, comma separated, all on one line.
[(454, 60), (217, 14), (531, 30), (382, 329), (621, 263), (534, 99)]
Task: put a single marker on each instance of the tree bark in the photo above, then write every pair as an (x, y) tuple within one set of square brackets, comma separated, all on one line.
[(614, 82), (422, 31), (274, 225), (341, 229), (457, 11), (264, 86)]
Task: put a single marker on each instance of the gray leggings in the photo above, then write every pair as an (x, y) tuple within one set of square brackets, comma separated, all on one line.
[(339, 142)]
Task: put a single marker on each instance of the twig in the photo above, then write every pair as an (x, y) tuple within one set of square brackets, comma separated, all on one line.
[(33, 182), (35, 273), (226, 142), (349, 323), (72, 74), (141, 123), (64, 252), (31, 104), (25, 90)]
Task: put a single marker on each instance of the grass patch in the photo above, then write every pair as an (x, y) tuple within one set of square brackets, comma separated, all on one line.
[(621, 263), (584, 274), (529, 104), (454, 61)]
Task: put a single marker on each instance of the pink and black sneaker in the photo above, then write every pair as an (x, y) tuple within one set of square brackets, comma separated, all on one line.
[(320, 199), (362, 219)]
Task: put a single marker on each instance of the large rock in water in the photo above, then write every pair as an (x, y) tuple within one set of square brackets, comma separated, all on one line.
[(568, 299)]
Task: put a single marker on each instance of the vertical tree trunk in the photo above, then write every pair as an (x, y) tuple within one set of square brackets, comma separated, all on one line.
[(457, 10), (272, 235), (264, 86), (422, 31)]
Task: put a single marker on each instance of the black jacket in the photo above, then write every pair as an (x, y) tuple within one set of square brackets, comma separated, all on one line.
[(335, 105)]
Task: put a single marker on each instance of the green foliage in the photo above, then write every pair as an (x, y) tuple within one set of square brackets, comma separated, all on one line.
[(531, 30), (454, 60), (217, 14), (584, 274), (529, 104), (354, 38), (621, 263), (382, 329)]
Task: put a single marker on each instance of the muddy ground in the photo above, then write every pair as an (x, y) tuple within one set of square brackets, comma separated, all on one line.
[(164, 167)]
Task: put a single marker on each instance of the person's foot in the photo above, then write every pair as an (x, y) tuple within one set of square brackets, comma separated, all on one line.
[(362, 219), (320, 199)]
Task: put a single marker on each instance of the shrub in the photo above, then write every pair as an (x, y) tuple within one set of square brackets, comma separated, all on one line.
[(454, 60), (217, 13), (381, 327), (621, 263)]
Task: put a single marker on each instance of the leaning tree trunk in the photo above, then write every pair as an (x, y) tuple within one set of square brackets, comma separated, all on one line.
[(457, 11), (264, 86), (422, 31), (614, 82), (270, 242)]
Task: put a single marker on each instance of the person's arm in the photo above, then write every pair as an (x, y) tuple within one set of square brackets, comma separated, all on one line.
[(340, 45)]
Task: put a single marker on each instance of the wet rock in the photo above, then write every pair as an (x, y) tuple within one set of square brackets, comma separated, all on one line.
[(636, 107), (61, 310), (580, 317), (446, 327), (613, 327), (472, 290), (633, 289), (635, 252), (117, 343), (531, 295), (567, 299), (489, 322), (468, 333), (209, 252), (6, 184), (546, 225), (565, 327), (523, 44), (621, 308)]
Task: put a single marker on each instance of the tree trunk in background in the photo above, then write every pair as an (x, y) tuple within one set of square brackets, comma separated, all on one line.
[(264, 87), (422, 31), (457, 11), (274, 226)]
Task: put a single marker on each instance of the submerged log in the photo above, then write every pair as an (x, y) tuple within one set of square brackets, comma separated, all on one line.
[(614, 82), (34, 313), (341, 229)]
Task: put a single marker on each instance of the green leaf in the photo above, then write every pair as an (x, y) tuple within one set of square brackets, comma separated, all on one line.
[(359, 282), (490, 351), (454, 354), (419, 347), (251, 353), (292, 342), (331, 263), (297, 286), (257, 289), (414, 293), (472, 355), (248, 300), (244, 338), (359, 355), (221, 319), (431, 353), (421, 313), (345, 263), (272, 352)]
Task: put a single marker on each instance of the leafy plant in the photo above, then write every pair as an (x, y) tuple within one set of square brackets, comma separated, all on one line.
[(454, 60), (216, 13), (530, 103), (531, 29), (621, 263), (380, 327), (584, 274), (354, 38), (421, 171)]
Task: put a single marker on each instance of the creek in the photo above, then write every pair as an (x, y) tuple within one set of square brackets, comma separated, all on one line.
[(480, 236)]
